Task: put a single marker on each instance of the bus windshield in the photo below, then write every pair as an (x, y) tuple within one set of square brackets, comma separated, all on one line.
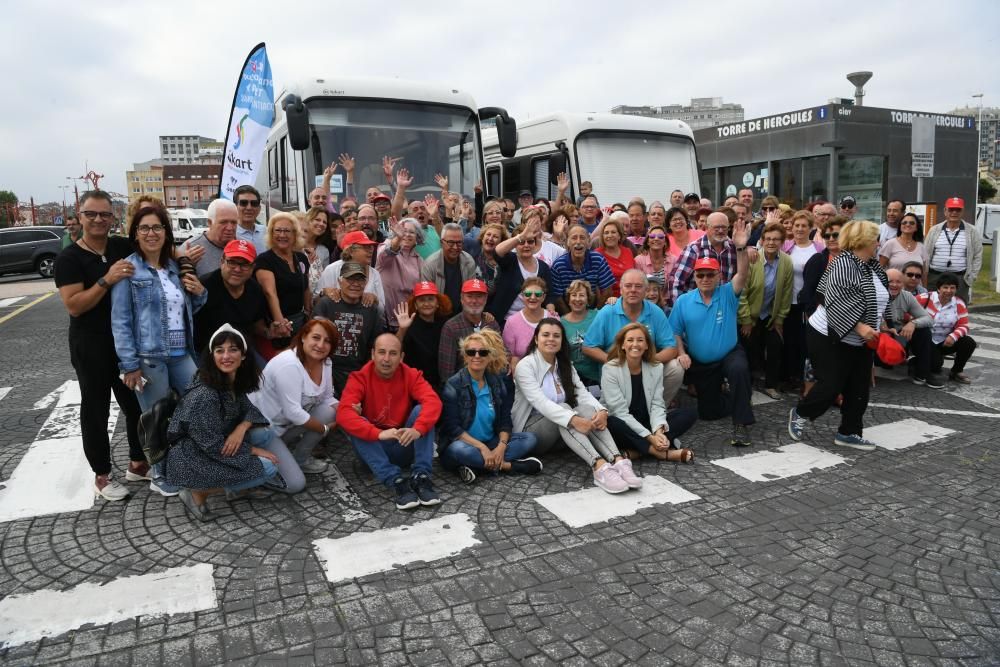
[(429, 138), (623, 165)]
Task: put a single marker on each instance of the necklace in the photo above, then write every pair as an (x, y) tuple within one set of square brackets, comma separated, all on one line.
[(101, 255)]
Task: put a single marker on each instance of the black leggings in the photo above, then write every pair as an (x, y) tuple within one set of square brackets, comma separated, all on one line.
[(963, 349), (96, 364)]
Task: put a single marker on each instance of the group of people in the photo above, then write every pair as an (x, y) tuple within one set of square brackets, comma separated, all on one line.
[(492, 332)]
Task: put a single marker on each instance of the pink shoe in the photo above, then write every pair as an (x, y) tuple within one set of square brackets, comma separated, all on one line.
[(624, 469), (607, 478)]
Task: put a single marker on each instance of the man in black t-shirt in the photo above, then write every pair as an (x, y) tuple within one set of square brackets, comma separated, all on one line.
[(84, 274), (357, 324), (233, 297)]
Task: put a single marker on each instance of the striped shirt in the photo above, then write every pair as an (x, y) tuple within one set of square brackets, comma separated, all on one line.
[(950, 321), (949, 251), (849, 293), (595, 271), (683, 278)]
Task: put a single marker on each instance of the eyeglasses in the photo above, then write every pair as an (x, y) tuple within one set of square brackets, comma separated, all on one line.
[(909, 222), (252, 203), (657, 236), (918, 276), (237, 264), (278, 231), (93, 215), (831, 235), (588, 206), (526, 241), (954, 210), (703, 274), (538, 294), (474, 353), (145, 230), (451, 243)]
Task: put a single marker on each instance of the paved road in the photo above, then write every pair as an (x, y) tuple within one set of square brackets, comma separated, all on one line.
[(790, 554)]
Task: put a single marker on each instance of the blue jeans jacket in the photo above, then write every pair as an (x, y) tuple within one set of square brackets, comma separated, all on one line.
[(458, 400), (139, 314)]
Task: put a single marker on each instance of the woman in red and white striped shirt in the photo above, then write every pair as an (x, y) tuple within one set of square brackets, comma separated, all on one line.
[(950, 331)]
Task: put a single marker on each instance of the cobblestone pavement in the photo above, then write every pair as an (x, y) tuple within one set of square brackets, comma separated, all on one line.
[(885, 558)]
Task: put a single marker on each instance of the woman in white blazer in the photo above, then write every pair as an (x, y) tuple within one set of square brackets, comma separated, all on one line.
[(632, 388), (551, 402)]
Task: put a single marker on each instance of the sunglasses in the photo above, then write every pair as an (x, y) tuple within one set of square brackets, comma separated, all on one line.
[(768, 209), (252, 203), (657, 236), (832, 235), (847, 207), (538, 294), (704, 274), (915, 275), (474, 353), (525, 241)]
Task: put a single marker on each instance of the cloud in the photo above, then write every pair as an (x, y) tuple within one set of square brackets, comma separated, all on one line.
[(96, 83)]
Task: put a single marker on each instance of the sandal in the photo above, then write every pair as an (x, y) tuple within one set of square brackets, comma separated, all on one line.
[(631, 454), (960, 378), (685, 455)]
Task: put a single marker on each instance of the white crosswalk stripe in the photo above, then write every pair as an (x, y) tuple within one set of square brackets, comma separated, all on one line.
[(13, 301), (905, 433), (47, 613), (4, 391), (787, 461), (593, 505)]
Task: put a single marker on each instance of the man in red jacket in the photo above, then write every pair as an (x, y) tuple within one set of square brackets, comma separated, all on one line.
[(392, 422)]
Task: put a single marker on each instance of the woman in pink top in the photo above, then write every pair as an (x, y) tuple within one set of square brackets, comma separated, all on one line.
[(399, 265), (908, 246), (610, 244), (520, 327), (681, 234), (656, 260)]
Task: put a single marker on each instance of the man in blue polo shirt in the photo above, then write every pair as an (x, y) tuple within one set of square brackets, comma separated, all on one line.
[(580, 263), (633, 307), (704, 321)]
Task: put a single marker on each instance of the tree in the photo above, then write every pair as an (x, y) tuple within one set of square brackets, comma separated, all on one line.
[(8, 207), (987, 190)]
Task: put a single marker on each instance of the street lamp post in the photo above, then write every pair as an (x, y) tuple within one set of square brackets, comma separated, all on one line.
[(979, 142)]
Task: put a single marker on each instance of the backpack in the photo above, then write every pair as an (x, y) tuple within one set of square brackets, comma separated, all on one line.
[(153, 428)]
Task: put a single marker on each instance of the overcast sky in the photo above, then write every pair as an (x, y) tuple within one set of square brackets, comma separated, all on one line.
[(97, 82)]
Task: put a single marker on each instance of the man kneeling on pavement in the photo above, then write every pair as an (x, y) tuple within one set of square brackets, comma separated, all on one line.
[(388, 412)]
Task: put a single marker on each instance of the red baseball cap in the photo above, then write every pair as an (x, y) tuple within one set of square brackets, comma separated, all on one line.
[(706, 263), (474, 285), (424, 287), (355, 238), (954, 202), (381, 196), (240, 248)]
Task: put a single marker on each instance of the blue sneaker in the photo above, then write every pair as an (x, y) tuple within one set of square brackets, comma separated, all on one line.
[(854, 442), (425, 490), (406, 497), (160, 486), (796, 424)]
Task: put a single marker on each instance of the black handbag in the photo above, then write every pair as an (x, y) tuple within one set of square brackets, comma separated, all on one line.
[(153, 428)]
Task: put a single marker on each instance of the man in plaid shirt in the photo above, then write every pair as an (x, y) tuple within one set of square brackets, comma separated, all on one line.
[(715, 244)]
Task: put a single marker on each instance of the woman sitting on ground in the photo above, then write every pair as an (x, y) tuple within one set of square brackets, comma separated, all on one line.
[(217, 442), (632, 388), (950, 331), (296, 396), (551, 402), (476, 430)]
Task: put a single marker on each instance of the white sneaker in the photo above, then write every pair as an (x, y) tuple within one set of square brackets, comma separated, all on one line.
[(624, 469), (313, 466), (607, 478), (107, 487)]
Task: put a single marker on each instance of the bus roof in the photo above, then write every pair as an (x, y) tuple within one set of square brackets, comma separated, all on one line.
[(572, 123), (374, 88)]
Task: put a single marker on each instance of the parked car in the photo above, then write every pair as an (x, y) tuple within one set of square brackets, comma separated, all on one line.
[(24, 249)]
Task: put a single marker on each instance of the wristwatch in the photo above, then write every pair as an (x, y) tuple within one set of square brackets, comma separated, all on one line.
[(743, 249), (103, 283)]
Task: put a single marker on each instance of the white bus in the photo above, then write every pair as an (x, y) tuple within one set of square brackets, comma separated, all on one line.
[(623, 156), (987, 220), (432, 128)]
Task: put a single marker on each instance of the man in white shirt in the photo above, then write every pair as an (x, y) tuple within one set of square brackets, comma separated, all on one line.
[(890, 228)]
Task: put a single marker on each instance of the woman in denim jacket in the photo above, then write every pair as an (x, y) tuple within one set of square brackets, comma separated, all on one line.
[(475, 421), (152, 316)]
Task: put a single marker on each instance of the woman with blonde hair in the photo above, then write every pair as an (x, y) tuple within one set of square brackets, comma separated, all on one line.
[(476, 429), (283, 274), (853, 296), (632, 388), (615, 248)]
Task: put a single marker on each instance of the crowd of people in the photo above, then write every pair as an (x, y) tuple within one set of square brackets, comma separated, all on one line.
[(491, 332)]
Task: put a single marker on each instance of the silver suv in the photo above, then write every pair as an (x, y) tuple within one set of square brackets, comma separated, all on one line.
[(24, 249)]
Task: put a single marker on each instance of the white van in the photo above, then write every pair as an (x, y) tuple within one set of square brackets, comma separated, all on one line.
[(188, 223), (987, 221)]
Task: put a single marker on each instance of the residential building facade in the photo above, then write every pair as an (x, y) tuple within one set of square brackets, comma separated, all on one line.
[(186, 148), (989, 146), (145, 178), (190, 185), (701, 113)]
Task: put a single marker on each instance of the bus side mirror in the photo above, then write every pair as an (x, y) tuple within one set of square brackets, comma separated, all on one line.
[(557, 165), (506, 129), (297, 118)]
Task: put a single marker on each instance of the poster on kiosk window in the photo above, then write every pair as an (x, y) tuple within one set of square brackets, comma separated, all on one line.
[(249, 123)]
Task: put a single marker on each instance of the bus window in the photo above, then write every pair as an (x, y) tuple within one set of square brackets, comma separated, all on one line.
[(493, 182), (272, 168), (511, 179), (540, 177), (290, 183)]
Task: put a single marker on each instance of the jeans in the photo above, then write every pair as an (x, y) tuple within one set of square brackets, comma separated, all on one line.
[(707, 378), (289, 478), (840, 369), (461, 453), (384, 457), (588, 446), (301, 440), (270, 470), (162, 375), (96, 365)]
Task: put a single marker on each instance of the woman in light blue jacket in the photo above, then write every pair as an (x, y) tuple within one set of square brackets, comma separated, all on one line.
[(152, 315), (632, 388)]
